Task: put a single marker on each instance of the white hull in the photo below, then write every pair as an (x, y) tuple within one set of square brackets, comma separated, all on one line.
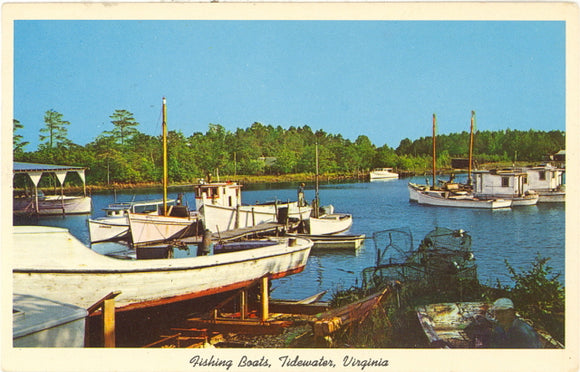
[(414, 191), (147, 229), (376, 175), (107, 229), (51, 263), (435, 198), (54, 205), (329, 224), (552, 196), (220, 218)]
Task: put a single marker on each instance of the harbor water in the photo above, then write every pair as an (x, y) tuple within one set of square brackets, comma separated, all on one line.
[(517, 235)]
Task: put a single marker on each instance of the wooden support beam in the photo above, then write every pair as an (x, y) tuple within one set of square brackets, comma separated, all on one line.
[(243, 303), (265, 299), (109, 322)]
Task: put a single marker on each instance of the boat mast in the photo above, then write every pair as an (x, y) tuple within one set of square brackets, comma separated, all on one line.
[(434, 151), (164, 127), (317, 199), (469, 180)]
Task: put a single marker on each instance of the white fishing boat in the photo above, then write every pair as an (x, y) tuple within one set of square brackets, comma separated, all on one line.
[(548, 182), (149, 229), (506, 184), (115, 224), (334, 241), (39, 322), (324, 221), (51, 263), (220, 204), (383, 174), (441, 198), (36, 202)]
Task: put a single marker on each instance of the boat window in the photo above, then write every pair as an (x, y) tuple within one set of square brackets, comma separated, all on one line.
[(542, 175), (505, 182), (229, 201), (525, 180)]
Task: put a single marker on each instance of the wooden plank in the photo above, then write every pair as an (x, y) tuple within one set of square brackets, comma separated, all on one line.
[(109, 322)]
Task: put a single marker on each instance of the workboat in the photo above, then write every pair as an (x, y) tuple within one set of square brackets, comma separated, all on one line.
[(323, 220), (51, 263), (35, 202), (220, 204), (115, 224), (548, 182), (464, 325), (509, 184), (383, 174)]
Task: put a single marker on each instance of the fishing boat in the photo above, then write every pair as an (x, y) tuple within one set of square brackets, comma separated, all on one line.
[(220, 204), (548, 182), (464, 325), (115, 224), (35, 202), (452, 194), (51, 263), (324, 221), (508, 184), (172, 221), (383, 174), (39, 322)]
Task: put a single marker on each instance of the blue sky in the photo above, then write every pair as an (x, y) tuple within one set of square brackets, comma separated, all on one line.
[(382, 79)]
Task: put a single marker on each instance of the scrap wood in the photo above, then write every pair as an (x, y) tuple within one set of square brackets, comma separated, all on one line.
[(241, 326)]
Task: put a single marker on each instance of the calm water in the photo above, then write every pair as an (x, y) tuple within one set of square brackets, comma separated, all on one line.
[(517, 235)]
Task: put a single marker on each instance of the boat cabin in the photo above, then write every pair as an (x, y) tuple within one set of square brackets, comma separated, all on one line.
[(506, 183), (225, 194), (545, 177)]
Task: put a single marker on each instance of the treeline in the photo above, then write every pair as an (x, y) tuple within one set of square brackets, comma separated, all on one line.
[(125, 155)]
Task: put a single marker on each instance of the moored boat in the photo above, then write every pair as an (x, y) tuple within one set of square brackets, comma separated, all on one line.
[(509, 184), (53, 264), (334, 241), (115, 224), (447, 199), (383, 174), (36, 202)]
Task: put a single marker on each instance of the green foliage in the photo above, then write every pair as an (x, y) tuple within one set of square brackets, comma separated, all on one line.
[(17, 140), (125, 155), (538, 295)]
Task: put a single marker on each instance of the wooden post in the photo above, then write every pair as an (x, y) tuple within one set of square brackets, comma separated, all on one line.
[(265, 299), (109, 322), (243, 303)]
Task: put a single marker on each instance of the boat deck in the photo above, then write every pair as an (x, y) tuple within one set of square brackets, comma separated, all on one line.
[(244, 232)]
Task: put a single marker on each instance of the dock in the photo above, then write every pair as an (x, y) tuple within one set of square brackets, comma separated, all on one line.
[(270, 228)]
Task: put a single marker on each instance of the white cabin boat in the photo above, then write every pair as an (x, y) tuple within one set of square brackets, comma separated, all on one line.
[(39, 322), (506, 184), (383, 174), (148, 229), (35, 202), (548, 182), (220, 204), (327, 224), (51, 263), (115, 224)]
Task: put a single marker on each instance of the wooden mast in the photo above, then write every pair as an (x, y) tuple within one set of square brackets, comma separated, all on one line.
[(469, 180), (316, 210), (164, 127), (434, 151)]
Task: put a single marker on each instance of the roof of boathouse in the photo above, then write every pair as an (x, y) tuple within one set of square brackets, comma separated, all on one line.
[(20, 167)]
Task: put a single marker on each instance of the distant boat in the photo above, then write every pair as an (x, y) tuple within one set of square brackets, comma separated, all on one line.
[(383, 174), (462, 325), (453, 194), (51, 263), (35, 202), (115, 224)]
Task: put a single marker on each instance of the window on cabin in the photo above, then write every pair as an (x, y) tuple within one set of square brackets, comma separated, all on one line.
[(505, 182), (542, 176), (525, 180)]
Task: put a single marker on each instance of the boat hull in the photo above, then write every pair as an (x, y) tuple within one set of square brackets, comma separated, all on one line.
[(329, 224), (108, 229), (51, 263), (551, 196), (53, 205), (149, 229), (434, 199)]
